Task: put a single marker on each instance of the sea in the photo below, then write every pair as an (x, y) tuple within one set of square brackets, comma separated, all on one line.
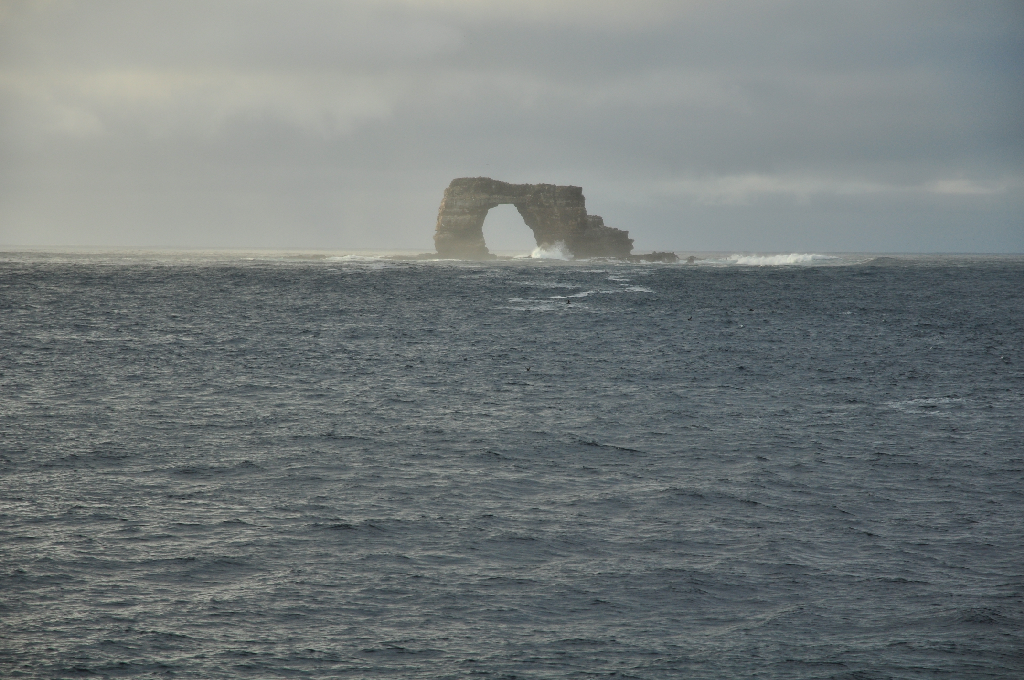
[(280, 465)]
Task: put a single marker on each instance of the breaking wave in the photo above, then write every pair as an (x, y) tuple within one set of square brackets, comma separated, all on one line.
[(789, 258), (558, 251), (355, 258)]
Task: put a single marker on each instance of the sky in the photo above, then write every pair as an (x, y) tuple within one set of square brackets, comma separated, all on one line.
[(767, 126)]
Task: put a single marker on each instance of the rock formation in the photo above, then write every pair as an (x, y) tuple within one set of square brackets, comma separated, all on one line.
[(556, 214), (656, 256)]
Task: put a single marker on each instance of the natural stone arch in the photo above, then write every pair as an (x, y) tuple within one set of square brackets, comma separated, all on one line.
[(555, 214)]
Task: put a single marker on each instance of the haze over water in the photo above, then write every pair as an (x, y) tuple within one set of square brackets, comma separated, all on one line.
[(787, 466)]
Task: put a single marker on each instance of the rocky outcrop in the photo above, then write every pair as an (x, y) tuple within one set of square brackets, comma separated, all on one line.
[(656, 256), (556, 214)]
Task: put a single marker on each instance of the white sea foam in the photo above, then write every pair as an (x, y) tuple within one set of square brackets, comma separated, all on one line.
[(557, 251), (353, 258), (547, 284), (535, 305), (769, 260), (926, 404), (362, 262)]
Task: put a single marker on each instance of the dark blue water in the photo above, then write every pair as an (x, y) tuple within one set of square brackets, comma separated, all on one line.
[(227, 468)]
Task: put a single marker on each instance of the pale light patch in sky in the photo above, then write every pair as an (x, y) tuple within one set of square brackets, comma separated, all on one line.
[(102, 102), (600, 13), (966, 187), (742, 189)]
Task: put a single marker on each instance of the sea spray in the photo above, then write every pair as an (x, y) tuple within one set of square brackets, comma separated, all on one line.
[(781, 259), (556, 251)]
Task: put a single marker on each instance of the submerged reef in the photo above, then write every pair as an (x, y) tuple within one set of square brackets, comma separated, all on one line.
[(556, 214)]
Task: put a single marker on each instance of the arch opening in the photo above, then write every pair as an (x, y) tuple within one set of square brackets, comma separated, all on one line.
[(505, 232)]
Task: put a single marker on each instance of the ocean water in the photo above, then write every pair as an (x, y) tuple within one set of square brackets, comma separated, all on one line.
[(776, 466)]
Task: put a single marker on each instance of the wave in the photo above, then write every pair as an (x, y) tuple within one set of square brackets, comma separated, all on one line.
[(355, 258), (547, 284), (929, 405), (782, 259), (558, 251)]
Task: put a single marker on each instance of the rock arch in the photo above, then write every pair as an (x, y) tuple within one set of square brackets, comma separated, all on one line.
[(556, 214)]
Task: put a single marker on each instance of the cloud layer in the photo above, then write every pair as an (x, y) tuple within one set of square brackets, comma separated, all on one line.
[(695, 125)]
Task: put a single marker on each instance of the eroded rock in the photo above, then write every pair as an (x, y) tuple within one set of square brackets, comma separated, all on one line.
[(656, 256), (556, 214)]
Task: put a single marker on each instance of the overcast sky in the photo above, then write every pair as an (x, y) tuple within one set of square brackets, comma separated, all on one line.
[(742, 126)]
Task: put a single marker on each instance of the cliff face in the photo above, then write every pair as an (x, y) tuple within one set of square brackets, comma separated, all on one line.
[(554, 213)]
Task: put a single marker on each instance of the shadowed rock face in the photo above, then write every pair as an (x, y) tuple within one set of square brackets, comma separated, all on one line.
[(556, 214)]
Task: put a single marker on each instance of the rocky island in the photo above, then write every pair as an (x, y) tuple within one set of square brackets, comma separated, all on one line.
[(556, 214)]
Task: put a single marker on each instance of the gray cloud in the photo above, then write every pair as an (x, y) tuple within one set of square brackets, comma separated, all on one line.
[(744, 125)]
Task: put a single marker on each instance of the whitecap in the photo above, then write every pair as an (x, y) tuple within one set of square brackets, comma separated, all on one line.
[(547, 284), (558, 251), (781, 259), (534, 305), (353, 258), (933, 405)]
